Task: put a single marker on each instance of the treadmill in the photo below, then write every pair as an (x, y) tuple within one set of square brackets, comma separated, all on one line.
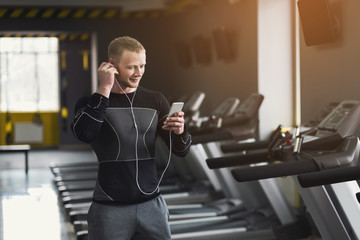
[(279, 221), (300, 228), (291, 227), (324, 162)]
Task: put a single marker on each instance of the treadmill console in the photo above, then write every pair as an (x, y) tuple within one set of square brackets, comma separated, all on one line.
[(193, 104), (343, 121), (318, 117), (342, 117), (250, 106), (246, 110), (226, 108), (206, 124), (229, 121)]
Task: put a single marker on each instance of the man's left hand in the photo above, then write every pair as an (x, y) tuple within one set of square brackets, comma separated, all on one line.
[(175, 123)]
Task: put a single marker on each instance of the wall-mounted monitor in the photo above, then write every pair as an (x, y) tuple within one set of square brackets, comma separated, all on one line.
[(184, 55), (202, 49), (225, 43), (317, 21)]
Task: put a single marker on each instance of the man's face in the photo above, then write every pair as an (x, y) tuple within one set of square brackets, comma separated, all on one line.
[(131, 67)]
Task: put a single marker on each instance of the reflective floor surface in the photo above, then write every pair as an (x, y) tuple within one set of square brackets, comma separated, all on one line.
[(29, 206)]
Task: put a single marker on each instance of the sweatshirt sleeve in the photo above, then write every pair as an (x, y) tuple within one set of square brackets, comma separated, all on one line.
[(89, 117), (181, 143)]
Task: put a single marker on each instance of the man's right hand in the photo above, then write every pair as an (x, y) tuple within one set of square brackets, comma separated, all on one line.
[(106, 74)]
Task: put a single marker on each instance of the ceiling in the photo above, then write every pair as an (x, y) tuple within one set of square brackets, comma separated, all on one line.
[(91, 9), (85, 9), (125, 5)]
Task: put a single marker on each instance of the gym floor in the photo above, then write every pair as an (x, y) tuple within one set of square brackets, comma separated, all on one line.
[(29, 206)]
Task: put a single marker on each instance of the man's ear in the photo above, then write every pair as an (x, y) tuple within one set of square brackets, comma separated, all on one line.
[(111, 60)]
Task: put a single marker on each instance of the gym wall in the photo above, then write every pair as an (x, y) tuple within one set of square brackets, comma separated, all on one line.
[(56, 128), (330, 72), (219, 78)]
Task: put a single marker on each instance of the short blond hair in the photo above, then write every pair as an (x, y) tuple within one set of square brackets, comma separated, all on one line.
[(118, 45)]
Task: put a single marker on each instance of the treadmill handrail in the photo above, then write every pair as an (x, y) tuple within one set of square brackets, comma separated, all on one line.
[(245, 174), (211, 137), (249, 157), (329, 176), (346, 154), (237, 147)]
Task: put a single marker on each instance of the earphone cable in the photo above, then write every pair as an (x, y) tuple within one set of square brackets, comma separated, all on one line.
[(136, 150)]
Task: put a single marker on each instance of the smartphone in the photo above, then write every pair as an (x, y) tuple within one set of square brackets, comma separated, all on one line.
[(175, 107)]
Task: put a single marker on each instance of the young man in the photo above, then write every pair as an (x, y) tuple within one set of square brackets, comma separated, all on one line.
[(122, 120)]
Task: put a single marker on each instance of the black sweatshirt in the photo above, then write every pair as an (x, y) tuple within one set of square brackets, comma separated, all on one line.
[(108, 125)]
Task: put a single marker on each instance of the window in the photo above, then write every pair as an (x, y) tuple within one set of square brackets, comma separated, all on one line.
[(29, 74)]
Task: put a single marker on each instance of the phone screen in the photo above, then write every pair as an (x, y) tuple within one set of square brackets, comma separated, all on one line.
[(175, 107)]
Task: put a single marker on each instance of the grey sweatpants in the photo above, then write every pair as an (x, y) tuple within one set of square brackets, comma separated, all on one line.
[(144, 221)]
